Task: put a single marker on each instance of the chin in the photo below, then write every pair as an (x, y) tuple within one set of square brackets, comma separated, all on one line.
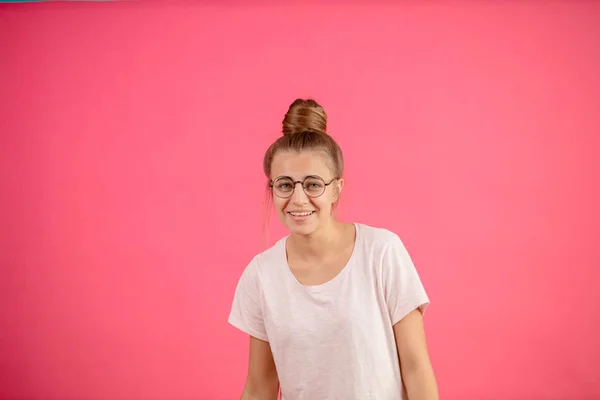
[(305, 227), (301, 230)]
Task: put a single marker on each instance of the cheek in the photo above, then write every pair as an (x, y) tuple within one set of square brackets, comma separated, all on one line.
[(323, 204), (280, 204)]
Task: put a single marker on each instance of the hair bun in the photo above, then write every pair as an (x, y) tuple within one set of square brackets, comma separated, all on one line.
[(305, 116)]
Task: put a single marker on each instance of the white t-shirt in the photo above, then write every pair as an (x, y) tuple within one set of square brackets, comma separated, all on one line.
[(335, 340)]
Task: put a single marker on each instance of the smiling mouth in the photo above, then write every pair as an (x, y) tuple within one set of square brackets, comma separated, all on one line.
[(301, 214)]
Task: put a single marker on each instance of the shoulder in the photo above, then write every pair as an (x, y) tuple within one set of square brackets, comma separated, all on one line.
[(378, 238), (383, 247), (265, 263), (393, 265)]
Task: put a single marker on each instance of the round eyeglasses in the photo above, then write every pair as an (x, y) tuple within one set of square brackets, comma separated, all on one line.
[(313, 186)]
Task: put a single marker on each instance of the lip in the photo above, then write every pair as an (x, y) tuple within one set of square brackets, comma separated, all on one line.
[(300, 217)]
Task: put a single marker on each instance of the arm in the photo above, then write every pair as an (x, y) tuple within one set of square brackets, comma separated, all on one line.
[(262, 382), (415, 366)]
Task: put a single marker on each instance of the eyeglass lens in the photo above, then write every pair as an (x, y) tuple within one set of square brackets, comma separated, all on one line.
[(313, 187)]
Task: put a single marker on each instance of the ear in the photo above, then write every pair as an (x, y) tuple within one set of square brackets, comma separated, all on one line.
[(338, 189)]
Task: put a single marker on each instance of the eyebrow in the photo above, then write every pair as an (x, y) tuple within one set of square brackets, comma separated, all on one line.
[(306, 176)]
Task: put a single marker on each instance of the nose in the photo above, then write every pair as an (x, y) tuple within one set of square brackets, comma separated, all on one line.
[(299, 197)]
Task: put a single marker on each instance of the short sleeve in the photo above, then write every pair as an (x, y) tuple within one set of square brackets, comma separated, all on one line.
[(246, 312), (404, 291)]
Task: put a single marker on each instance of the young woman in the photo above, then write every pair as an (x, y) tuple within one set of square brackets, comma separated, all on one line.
[(334, 310)]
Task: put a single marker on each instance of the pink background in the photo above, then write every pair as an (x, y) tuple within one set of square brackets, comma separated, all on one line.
[(131, 191)]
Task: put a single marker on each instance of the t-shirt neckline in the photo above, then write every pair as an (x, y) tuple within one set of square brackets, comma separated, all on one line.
[(326, 285)]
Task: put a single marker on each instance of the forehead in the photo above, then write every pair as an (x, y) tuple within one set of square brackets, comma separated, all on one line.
[(300, 164)]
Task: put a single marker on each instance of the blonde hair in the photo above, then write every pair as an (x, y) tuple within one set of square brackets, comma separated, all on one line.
[(305, 128)]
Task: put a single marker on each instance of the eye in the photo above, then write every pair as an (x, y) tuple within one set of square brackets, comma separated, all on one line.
[(313, 184)]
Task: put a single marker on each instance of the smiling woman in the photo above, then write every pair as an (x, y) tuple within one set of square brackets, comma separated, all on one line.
[(334, 309)]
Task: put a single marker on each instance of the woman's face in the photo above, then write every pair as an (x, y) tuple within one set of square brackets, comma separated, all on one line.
[(304, 211)]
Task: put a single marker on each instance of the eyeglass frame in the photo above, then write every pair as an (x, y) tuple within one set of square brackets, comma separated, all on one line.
[(294, 183)]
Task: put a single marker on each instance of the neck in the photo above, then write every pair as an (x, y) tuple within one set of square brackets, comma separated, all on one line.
[(319, 243)]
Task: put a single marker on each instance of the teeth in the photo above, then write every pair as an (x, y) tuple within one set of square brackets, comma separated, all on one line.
[(304, 214)]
